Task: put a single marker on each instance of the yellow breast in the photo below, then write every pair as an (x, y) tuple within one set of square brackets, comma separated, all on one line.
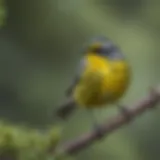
[(103, 81)]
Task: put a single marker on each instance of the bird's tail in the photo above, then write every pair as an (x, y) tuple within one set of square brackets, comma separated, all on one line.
[(66, 108)]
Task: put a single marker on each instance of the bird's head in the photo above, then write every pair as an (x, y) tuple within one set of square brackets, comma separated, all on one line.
[(102, 46)]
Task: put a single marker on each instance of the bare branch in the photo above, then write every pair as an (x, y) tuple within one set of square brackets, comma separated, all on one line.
[(114, 123)]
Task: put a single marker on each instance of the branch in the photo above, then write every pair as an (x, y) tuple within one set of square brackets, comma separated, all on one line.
[(85, 140)]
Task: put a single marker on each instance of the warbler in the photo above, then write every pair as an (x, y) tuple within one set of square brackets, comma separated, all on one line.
[(102, 78)]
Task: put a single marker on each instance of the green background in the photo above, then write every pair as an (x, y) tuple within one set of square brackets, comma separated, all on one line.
[(40, 43)]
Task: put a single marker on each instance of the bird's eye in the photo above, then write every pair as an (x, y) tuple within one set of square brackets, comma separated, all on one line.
[(95, 49)]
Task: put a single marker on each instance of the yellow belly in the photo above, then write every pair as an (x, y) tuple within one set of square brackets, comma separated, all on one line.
[(103, 82)]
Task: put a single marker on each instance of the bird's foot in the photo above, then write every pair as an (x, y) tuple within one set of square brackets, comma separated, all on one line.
[(125, 112), (99, 132)]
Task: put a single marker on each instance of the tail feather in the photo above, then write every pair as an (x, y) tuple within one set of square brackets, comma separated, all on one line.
[(66, 109)]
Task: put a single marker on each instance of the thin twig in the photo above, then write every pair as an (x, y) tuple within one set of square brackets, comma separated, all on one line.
[(79, 143)]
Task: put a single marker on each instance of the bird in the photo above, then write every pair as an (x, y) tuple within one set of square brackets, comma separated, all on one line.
[(102, 78)]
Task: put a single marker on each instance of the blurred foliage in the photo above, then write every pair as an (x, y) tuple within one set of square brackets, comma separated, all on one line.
[(40, 47), (21, 143)]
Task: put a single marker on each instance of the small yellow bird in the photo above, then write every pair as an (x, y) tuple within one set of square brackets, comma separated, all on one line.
[(102, 78)]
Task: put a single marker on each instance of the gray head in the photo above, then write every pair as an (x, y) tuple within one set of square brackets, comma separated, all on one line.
[(104, 47)]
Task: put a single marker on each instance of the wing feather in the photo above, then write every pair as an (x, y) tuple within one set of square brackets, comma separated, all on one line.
[(77, 77)]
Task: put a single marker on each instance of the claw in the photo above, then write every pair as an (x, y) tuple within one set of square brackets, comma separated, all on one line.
[(99, 131), (96, 127), (125, 112)]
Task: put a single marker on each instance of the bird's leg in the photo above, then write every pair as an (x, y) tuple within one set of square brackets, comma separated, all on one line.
[(123, 109), (96, 126)]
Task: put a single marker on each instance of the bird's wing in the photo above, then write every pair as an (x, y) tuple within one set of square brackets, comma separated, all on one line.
[(77, 77)]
